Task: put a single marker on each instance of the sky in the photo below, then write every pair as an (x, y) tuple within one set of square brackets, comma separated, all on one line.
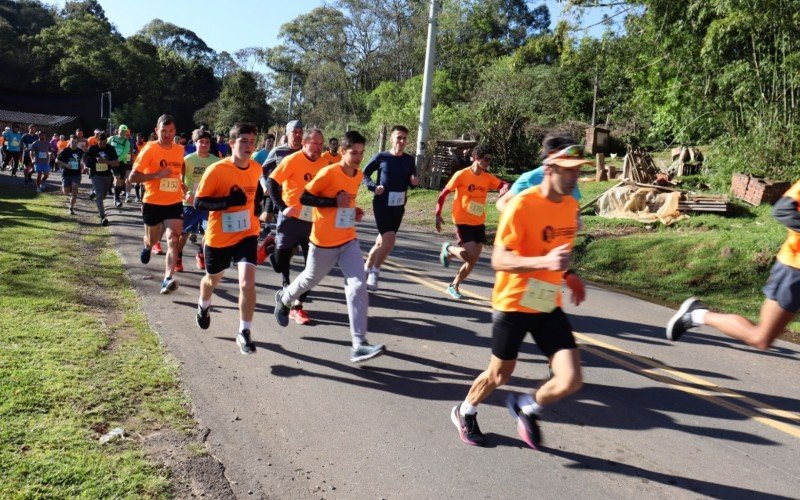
[(240, 24)]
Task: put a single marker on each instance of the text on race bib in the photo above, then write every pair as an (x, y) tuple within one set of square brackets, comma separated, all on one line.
[(345, 217), (73, 165), (540, 295), (43, 155), (475, 208), (306, 214), (234, 222), (397, 198), (169, 185), (101, 167)]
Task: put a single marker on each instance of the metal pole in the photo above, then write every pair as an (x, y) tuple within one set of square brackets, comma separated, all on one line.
[(427, 91)]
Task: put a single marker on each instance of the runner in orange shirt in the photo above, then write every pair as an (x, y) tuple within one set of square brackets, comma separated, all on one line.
[(471, 186), (531, 258), (332, 155), (285, 185), (782, 291), (332, 193), (230, 191), (159, 166)]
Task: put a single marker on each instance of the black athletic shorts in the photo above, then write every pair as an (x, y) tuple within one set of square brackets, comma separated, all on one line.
[(121, 171), (388, 219), (220, 259), (154, 215), (467, 234), (551, 332)]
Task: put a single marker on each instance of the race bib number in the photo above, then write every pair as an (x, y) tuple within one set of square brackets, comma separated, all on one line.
[(169, 185), (475, 208), (397, 198), (101, 167), (540, 295), (73, 165), (234, 222), (43, 155), (306, 214), (345, 218)]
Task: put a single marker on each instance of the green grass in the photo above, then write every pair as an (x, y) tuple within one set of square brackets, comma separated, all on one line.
[(77, 358)]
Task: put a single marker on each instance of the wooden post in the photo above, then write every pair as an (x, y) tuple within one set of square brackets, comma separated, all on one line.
[(601, 174)]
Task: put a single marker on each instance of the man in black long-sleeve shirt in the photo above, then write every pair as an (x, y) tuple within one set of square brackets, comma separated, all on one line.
[(782, 290)]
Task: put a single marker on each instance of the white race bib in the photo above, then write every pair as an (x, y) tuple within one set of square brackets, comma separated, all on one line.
[(540, 295), (73, 165), (43, 155), (306, 214), (101, 167), (475, 208), (169, 185), (234, 222), (397, 198), (345, 218)]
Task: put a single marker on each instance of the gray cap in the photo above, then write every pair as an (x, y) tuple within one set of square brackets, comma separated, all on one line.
[(293, 125)]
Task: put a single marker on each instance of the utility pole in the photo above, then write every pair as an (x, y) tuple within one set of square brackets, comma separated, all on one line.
[(427, 92), (291, 99)]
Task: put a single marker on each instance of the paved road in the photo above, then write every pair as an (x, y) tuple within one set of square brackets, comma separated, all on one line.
[(705, 417)]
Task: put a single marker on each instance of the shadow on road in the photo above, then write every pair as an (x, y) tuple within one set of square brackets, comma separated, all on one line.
[(706, 488)]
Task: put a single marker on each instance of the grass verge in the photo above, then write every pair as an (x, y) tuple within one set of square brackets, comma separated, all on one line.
[(77, 358)]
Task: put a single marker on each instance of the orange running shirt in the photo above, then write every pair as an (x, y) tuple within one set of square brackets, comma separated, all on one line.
[(329, 158), (230, 226), (469, 204), (61, 145), (334, 226), (92, 141), (293, 173), (789, 254), (528, 236), (152, 158)]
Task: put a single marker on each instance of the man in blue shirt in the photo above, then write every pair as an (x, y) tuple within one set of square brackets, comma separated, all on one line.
[(13, 148), (396, 173), (261, 155), (551, 144)]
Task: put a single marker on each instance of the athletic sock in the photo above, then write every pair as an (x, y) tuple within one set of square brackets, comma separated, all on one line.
[(376, 270), (467, 408), (699, 316), (528, 405), (244, 325), (205, 304)]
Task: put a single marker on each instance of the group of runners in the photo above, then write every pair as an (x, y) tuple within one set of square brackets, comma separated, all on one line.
[(310, 195)]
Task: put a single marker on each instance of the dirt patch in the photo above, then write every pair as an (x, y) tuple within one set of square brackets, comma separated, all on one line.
[(194, 471)]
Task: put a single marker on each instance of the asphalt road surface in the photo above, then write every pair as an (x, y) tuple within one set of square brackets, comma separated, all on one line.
[(704, 417)]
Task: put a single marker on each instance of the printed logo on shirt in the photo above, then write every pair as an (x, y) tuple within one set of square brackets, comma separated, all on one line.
[(549, 233), (472, 187), (307, 177)]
